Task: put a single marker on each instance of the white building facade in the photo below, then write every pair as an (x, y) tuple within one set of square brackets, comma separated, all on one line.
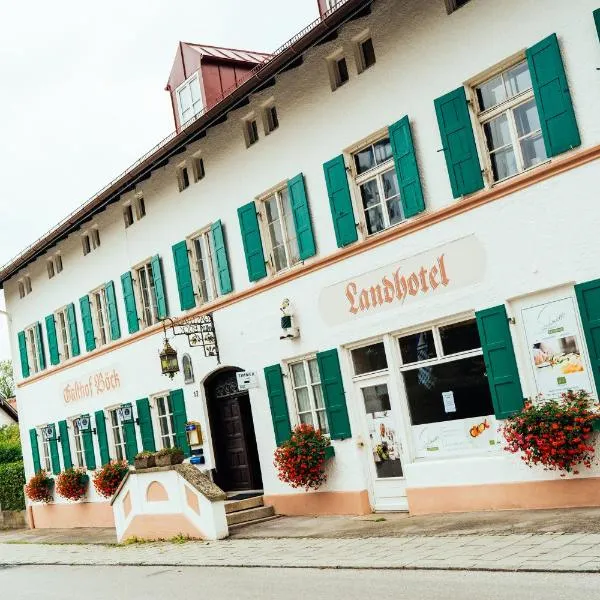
[(417, 179)]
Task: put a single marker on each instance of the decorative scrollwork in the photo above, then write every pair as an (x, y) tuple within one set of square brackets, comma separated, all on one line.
[(200, 332)]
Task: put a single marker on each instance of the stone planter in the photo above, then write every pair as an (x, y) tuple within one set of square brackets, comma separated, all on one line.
[(145, 462), (169, 459)]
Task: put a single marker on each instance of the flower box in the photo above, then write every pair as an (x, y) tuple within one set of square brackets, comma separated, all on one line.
[(145, 462), (329, 452), (167, 458)]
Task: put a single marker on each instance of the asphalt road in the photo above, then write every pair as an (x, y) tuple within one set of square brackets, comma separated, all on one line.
[(137, 583)]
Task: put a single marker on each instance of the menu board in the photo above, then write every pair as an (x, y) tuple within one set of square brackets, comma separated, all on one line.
[(556, 349)]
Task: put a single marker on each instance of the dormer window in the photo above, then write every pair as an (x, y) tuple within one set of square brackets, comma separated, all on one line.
[(189, 99)]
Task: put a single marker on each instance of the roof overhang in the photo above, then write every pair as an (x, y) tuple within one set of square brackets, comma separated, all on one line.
[(286, 57)]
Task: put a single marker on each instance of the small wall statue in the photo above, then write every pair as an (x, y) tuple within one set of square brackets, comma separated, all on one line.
[(288, 329)]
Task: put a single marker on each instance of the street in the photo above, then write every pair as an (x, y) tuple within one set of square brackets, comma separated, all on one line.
[(178, 583)]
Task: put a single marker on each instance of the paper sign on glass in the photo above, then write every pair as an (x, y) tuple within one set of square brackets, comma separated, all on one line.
[(449, 404)]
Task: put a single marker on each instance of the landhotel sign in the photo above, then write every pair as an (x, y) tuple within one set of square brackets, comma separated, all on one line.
[(99, 383), (432, 273)]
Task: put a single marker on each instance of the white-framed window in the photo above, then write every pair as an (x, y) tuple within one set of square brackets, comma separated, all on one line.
[(271, 119), (58, 264), (27, 281), (280, 232), (134, 210), (365, 53), (250, 131), (62, 333), (203, 266), (140, 206), (100, 316), (308, 394), (338, 71), (90, 240), (198, 168), (189, 99), (441, 358), (117, 434), (86, 244), (33, 349), (24, 286), (166, 423), (54, 265), (78, 443), (46, 463), (21, 287), (146, 296), (50, 268), (331, 4), (128, 215), (183, 177), (509, 122), (379, 193)]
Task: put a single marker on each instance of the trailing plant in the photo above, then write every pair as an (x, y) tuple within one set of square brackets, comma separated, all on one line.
[(72, 483), (108, 477), (555, 434), (12, 480), (300, 460), (39, 487)]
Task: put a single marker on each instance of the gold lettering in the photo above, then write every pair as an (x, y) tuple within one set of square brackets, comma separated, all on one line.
[(364, 300), (388, 290), (423, 280), (350, 294), (400, 283), (413, 284), (432, 274), (376, 296), (445, 280)]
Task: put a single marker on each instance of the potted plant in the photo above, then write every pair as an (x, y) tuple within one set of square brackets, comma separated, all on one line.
[(555, 434), (108, 478), (300, 461), (72, 483), (144, 460), (39, 487), (169, 456)]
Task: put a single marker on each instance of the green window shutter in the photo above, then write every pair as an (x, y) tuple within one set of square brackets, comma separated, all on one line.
[(65, 445), (100, 419), (113, 313), (23, 354), (407, 171), (35, 450), (179, 420), (72, 321), (552, 96), (458, 143), (340, 201), (278, 404), (88, 450), (54, 457), (183, 274), (221, 260), (145, 423), (40, 346), (88, 324), (131, 447), (301, 215), (159, 287), (588, 299), (597, 21), (133, 323), (253, 249), (500, 361), (334, 395), (52, 340)]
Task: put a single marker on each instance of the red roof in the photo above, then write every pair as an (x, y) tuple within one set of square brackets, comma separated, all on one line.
[(228, 53)]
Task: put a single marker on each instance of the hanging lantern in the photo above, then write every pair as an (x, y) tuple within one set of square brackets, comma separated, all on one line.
[(168, 360)]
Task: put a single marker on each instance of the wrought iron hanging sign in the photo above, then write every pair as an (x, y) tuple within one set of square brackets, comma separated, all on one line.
[(200, 332)]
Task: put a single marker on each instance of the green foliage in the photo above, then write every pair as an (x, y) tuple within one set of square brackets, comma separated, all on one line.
[(12, 480), (170, 451), (7, 381), (10, 453), (9, 434)]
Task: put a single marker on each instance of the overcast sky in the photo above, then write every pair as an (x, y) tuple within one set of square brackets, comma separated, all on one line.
[(83, 92)]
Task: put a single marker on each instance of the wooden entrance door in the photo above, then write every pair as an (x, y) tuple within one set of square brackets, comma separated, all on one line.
[(232, 430)]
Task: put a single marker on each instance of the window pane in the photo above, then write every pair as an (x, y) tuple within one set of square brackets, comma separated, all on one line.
[(306, 419), (370, 193), (497, 132), (395, 211), (377, 398), (368, 53), (280, 258), (504, 163), (195, 89), (527, 118), (383, 150), (416, 347), (322, 417), (375, 220), (465, 378), (490, 93), (533, 149), (318, 393), (460, 337), (342, 71), (298, 374), (364, 160), (390, 184), (369, 358), (313, 367), (517, 79), (303, 398)]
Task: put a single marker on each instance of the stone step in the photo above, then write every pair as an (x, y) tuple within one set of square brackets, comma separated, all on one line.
[(250, 515), (232, 506), (257, 522)]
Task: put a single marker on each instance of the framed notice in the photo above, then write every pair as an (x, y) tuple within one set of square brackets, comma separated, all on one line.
[(557, 352)]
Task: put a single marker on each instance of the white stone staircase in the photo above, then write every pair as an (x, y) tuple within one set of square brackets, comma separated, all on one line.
[(247, 512)]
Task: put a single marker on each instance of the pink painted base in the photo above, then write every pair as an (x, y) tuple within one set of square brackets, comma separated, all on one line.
[(320, 503), (161, 527), (63, 516)]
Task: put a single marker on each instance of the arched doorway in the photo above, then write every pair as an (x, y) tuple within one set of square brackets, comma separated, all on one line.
[(232, 430)]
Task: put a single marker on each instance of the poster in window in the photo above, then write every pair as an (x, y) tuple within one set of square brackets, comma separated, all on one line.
[(555, 347)]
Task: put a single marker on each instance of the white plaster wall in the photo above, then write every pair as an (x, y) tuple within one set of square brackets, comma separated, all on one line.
[(421, 54)]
